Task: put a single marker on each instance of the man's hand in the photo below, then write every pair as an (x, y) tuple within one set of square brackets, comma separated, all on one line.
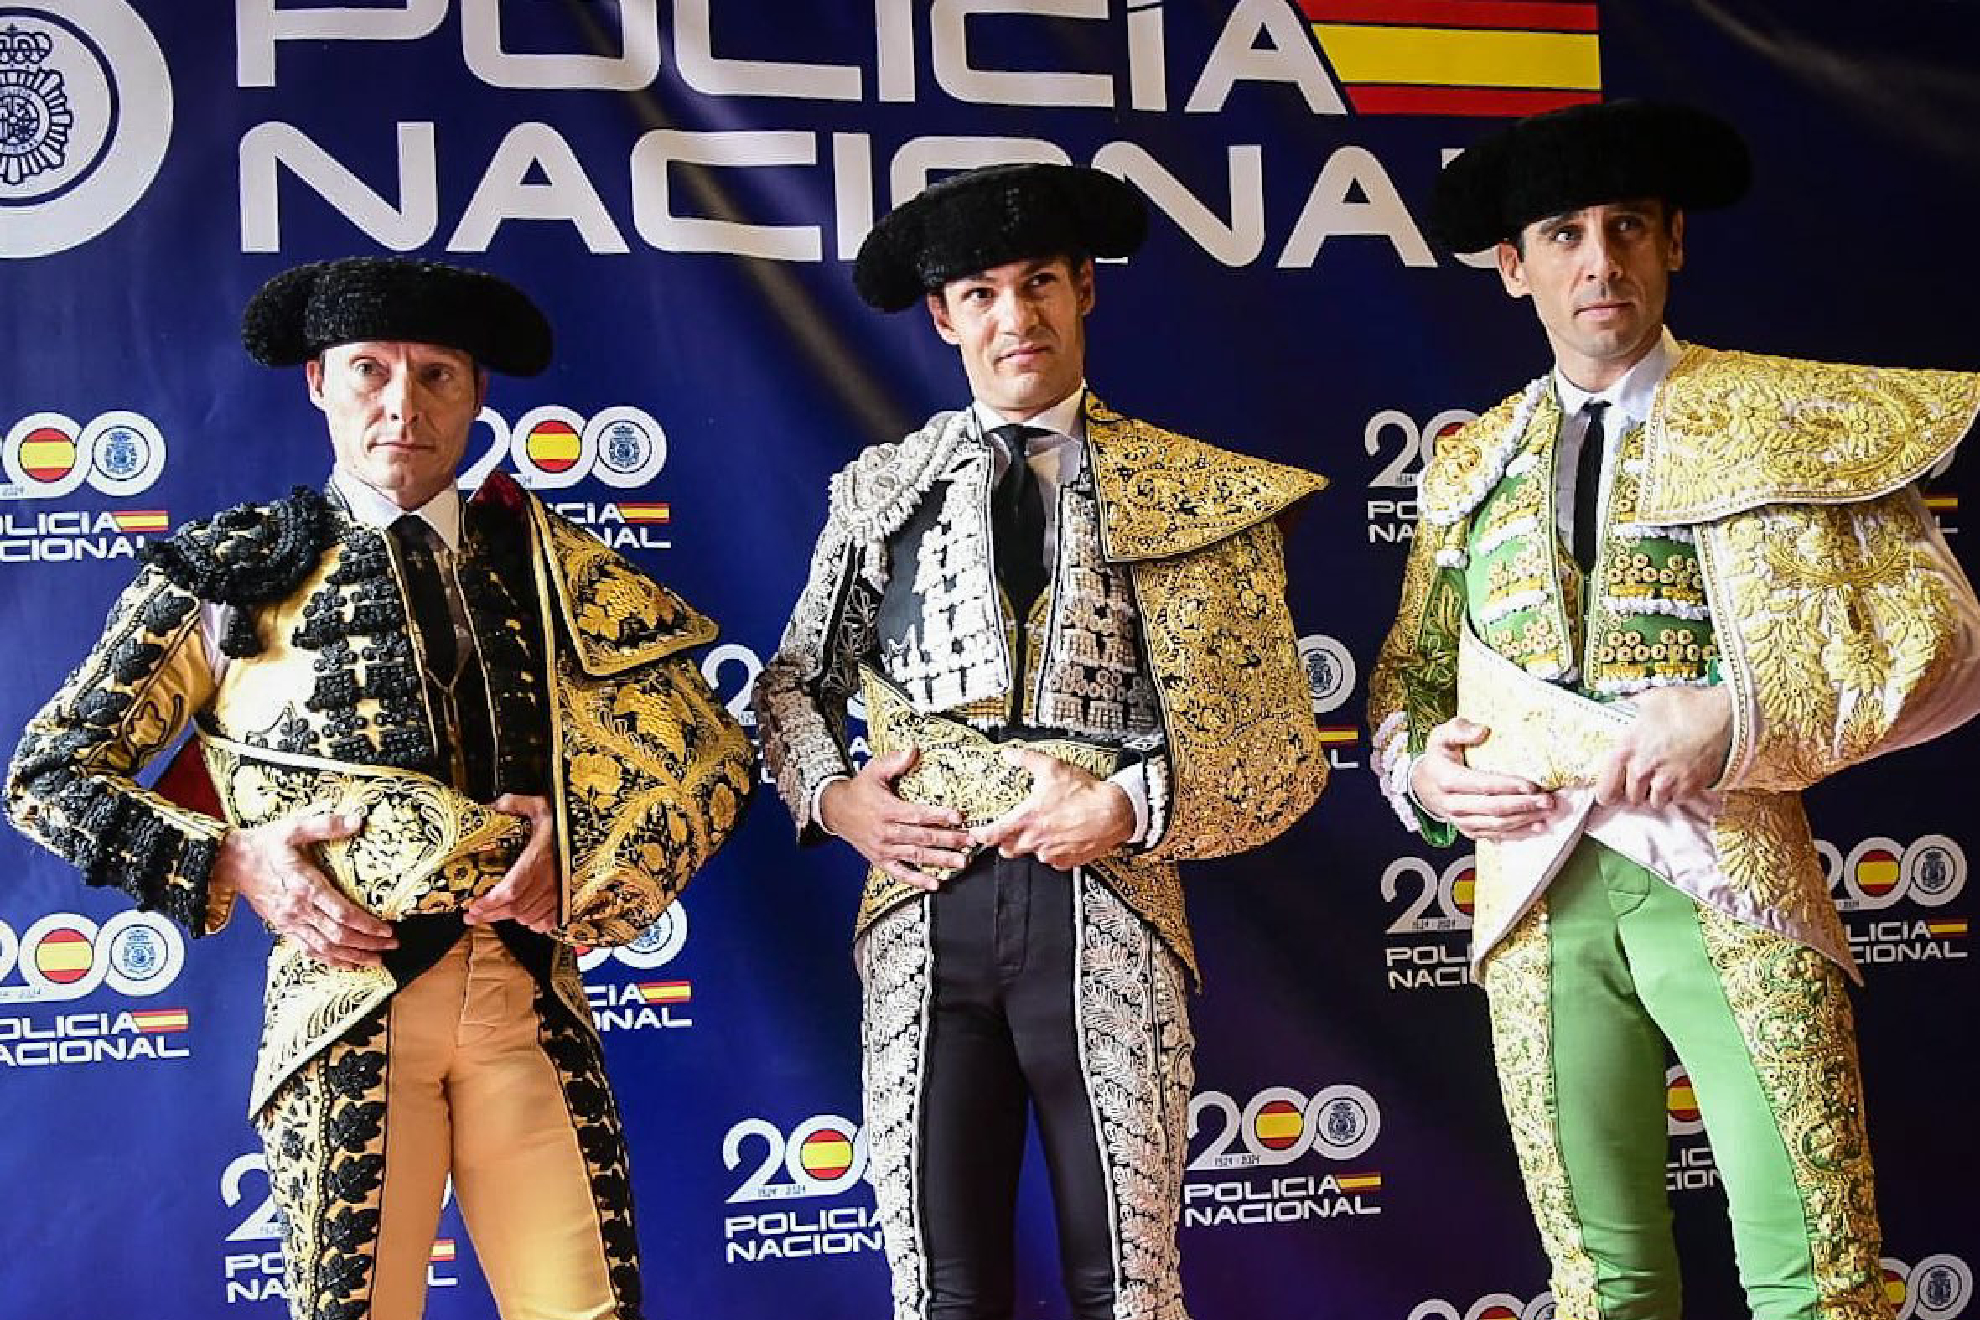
[(1480, 803), (529, 893), (1675, 749), (269, 867), (895, 835), (1068, 819)]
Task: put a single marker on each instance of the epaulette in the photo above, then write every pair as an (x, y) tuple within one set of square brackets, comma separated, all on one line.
[(248, 555)]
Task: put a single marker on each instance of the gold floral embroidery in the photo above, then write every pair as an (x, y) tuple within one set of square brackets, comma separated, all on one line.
[(1518, 980), (1793, 1013), (1732, 431), (1838, 617)]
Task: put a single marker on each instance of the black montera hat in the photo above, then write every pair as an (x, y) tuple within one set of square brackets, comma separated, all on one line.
[(1584, 156), (992, 215), (305, 310)]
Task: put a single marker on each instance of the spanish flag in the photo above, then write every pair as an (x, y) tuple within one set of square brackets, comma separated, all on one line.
[(826, 1153), (1359, 1182), (645, 512), (443, 1251), (1338, 735), (1681, 1099), (1278, 1125), (1946, 929), (1503, 58), (48, 454), (1878, 872), (666, 992), (553, 445), (139, 521), (64, 955), (154, 1020), (1942, 503)]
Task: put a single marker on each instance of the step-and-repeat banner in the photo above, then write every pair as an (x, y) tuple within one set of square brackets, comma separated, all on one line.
[(682, 186)]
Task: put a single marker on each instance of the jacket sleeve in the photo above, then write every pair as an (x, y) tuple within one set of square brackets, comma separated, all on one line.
[(1845, 631), (1413, 687), (70, 786), (802, 693)]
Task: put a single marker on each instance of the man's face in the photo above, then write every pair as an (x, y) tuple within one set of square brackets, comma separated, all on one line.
[(1021, 328), (399, 413), (1599, 277)]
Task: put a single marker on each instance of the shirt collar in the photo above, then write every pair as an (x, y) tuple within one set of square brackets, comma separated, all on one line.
[(373, 508), (1630, 396), (1064, 422)]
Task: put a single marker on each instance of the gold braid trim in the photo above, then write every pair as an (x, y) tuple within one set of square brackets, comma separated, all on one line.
[(1733, 431), (1793, 1013)]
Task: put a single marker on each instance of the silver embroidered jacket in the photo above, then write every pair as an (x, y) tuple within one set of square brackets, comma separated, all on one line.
[(1164, 636)]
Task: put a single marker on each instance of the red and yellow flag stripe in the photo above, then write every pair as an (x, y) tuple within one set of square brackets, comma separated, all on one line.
[(666, 992), (1500, 58), (161, 1019)]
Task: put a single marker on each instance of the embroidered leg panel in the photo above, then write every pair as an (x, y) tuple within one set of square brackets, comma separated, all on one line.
[(894, 957), (324, 1132), (574, 1051), (1793, 1011), (1135, 1049), (1518, 983)]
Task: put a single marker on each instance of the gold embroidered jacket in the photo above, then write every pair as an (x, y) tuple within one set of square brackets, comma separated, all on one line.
[(1843, 625), (319, 708), (1164, 637)]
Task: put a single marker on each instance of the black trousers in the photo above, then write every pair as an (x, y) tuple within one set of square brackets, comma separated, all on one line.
[(1002, 1043)]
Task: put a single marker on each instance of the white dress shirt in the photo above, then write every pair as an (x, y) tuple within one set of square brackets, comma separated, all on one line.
[(1629, 400)]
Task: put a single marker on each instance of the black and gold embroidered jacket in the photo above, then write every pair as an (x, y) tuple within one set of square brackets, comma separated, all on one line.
[(586, 698), (1163, 637)]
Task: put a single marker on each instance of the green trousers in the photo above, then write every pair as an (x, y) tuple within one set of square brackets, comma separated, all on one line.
[(1584, 993)]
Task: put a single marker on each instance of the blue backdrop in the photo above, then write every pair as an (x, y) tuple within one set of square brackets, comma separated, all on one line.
[(682, 187)]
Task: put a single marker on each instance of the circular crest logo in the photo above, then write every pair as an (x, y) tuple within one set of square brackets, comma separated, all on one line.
[(1940, 1287), (1345, 1121), (1330, 671), (85, 116), (1936, 869), (630, 445)]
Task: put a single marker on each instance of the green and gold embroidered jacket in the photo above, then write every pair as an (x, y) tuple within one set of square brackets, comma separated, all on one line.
[(320, 707), (1164, 635), (1762, 530)]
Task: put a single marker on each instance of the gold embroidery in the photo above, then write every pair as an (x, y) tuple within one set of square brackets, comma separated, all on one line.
[(1518, 980), (1774, 876), (1244, 751), (1835, 619), (1732, 431), (961, 768), (423, 847), (1164, 494), (1793, 1013)]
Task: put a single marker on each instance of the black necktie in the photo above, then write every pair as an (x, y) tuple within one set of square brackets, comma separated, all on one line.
[(1588, 488), (1017, 520), (418, 543)]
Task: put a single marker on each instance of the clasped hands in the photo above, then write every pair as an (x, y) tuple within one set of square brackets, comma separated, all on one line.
[(1674, 750), (270, 866), (1068, 819)]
